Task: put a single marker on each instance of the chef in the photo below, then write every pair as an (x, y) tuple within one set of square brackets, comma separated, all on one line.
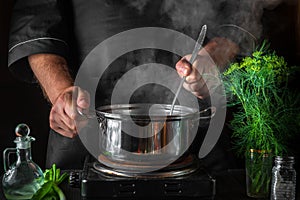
[(49, 39)]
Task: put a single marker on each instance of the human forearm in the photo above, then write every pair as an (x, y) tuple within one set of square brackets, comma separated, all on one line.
[(222, 51), (52, 73)]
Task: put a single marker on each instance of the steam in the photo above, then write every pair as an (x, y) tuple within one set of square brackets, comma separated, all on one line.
[(189, 16)]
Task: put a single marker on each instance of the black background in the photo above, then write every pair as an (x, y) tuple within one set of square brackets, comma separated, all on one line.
[(24, 103)]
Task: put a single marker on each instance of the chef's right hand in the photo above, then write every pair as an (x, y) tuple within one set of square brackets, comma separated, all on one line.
[(64, 117)]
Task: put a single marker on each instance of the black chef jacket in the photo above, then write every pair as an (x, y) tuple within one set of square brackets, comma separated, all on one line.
[(72, 28)]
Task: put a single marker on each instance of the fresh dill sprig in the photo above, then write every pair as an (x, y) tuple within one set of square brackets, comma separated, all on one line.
[(267, 110)]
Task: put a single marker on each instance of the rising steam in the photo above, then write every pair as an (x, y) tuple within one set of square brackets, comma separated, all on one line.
[(189, 16)]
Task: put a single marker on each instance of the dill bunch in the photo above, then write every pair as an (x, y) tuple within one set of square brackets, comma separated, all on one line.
[(267, 110)]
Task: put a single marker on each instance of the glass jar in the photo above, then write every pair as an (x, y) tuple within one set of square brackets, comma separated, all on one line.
[(23, 177), (258, 173), (283, 179)]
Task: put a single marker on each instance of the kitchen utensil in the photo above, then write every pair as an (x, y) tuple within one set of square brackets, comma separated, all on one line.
[(128, 134), (197, 48)]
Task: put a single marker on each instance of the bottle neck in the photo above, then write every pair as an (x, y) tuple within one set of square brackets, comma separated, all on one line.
[(24, 155)]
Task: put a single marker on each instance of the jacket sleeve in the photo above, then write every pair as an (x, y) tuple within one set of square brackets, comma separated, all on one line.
[(36, 27)]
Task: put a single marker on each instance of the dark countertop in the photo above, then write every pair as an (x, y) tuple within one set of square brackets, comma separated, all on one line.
[(230, 185)]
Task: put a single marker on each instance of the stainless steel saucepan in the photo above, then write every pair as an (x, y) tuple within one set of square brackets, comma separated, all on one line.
[(139, 136)]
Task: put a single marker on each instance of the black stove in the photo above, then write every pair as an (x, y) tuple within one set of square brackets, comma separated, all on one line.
[(189, 181)]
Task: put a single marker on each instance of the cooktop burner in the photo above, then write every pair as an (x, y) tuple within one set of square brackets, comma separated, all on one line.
[(185, 165), (98, 181)]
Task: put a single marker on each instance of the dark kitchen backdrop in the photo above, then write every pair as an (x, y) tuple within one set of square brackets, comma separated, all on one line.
[(24, 103)]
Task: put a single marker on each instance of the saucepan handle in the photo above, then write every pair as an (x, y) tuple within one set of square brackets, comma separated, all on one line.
[(208, 113), (91, 114)]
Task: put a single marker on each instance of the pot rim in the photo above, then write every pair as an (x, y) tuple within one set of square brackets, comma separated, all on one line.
[(125, 112)]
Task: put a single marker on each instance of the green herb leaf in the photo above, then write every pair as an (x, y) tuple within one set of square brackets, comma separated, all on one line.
[(43, 191), (50, 190), (267, 110)]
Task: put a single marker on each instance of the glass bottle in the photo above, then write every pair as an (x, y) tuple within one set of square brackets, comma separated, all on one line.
[(283, 179), (22, 178)]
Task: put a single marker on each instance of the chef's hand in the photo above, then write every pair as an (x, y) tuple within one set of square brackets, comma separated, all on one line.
[(53, 75), (202, 76), (64, 117)]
